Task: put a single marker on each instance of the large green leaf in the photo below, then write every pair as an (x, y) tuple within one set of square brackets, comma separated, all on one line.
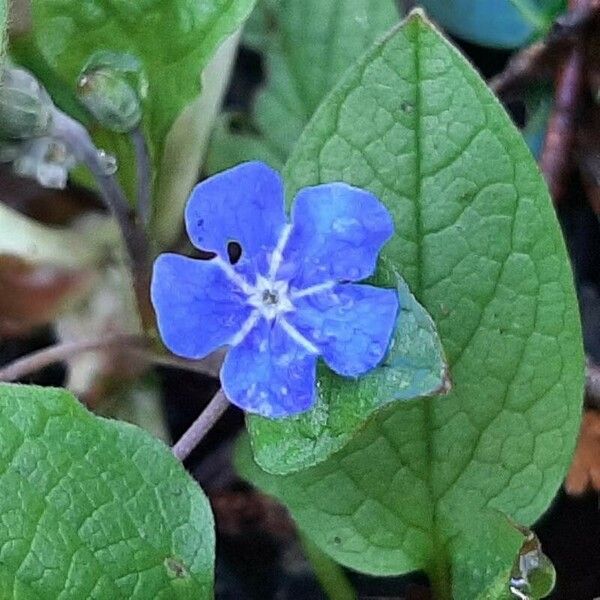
[(308, 45), (414, 367), (478, 243), (92, 508), (174, 40)]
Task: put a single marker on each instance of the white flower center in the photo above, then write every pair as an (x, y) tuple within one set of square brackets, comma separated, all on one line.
[(271, 298)]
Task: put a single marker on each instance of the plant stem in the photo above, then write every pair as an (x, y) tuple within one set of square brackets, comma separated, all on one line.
[(209, 366), (143, 174), (59, 352), (201, 426), (556, 160), (330, 574), (78, 140), (132, 344)]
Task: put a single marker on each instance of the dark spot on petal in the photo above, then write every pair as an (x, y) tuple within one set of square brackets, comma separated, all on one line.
[(234, 251), (176, 568), (200, 222)]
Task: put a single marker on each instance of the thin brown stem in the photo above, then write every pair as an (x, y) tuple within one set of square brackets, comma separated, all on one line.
[(201, 426), (556, 160), (134, 345), (34, 362), (209, 366)]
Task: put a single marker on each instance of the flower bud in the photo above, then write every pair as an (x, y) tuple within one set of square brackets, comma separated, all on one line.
[(25, 106), (107, 87)]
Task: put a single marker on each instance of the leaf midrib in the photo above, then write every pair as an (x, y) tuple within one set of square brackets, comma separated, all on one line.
[(440, 567)]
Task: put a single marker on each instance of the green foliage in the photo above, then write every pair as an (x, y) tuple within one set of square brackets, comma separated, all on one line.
[(496, 23), (173, 41), (478, 243), (308, 44), (3, 14), (330, 575), (92, 508), (413, 367)]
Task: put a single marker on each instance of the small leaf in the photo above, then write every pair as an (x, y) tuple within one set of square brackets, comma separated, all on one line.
[(92, 508), (173, 41), (413, 367), (308, 46), (478, 243), (495, 23)]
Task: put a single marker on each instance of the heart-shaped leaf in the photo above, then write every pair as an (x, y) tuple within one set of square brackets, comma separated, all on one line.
[(92, 508), (413, 367), (479, 245)]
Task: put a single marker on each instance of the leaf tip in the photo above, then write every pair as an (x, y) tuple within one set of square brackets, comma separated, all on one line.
[(417, 15)]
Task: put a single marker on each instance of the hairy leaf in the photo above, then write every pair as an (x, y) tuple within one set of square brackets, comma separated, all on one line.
[(479, 245), (92, 508)]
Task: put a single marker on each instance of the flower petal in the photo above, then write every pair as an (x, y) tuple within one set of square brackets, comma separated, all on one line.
[(269, 373), (198, 308), (338, 231), (243, 204), (350, 324)]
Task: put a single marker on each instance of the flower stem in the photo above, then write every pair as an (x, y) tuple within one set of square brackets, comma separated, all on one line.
[(143, 174), (132, 344), (59, 352), (79, 142), (201, 426)]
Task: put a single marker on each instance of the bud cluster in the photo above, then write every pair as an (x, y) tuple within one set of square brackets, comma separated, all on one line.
[(26, 120)]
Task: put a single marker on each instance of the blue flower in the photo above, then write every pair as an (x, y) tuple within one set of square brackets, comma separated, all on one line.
[(289, 298)]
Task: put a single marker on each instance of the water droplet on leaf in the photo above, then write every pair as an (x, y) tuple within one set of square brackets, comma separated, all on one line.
[(533, 575)]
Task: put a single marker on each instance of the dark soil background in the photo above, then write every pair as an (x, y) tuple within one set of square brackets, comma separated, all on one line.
[(258, 554)]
